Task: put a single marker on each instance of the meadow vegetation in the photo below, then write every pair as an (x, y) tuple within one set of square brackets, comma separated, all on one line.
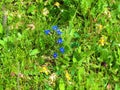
[(60, 45)]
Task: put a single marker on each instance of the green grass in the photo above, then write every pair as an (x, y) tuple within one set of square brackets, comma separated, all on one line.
[(91, 39)]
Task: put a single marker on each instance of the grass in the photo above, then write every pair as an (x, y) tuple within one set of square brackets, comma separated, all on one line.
[(87, 58)]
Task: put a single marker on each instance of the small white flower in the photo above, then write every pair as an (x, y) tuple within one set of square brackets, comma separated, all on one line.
[(53, 77), (62, 10), (119, 45), (45, 11), (19, 16)]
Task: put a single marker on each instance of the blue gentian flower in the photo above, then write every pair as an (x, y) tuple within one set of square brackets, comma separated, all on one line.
[(55, 27), (47, 32), (59, 41), (55, 55), (58, 32), (62, 50)]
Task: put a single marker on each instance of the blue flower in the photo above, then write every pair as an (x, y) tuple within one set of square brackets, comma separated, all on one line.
[(62, 50), (55, 55), (47, 32), (58, 32), (59, 41), (55, 27)]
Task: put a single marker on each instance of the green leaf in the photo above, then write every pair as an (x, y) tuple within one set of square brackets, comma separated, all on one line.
[(2, 42), (1, 87), (79, 49), (70, 87), (117, 87), (34, 52), (118, 8), (1, 28), (85, 5), (61, 85), (76, 35), (74, 60), (81, 72), (31, 9)]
